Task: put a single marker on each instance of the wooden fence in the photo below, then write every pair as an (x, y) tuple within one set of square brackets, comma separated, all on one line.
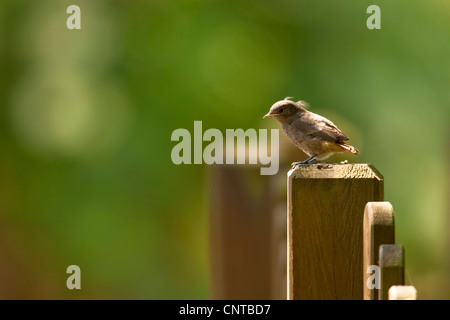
[(337, 240)]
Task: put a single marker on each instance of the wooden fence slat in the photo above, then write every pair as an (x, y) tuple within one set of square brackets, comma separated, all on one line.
[(402, 293), (279, 252), (325, 228), (392, 268), (379, 228), (241, 206)]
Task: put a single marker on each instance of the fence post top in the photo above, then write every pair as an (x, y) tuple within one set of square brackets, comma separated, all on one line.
[(379, 213), (335, 171), (391, 255), (402, 293)]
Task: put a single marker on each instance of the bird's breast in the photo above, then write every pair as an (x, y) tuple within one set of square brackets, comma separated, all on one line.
[(295, 134), (307, 143)]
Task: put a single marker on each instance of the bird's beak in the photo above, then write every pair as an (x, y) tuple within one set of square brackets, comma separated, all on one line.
[(268, 116)]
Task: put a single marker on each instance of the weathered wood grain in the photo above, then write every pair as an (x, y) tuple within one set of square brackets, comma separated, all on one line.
[(378, 229), (392, 268), (325, 228)]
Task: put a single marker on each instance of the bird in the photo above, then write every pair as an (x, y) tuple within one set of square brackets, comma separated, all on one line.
[(315, 135)]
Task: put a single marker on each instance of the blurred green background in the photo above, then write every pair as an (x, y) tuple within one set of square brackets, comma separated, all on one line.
[(86, 118)]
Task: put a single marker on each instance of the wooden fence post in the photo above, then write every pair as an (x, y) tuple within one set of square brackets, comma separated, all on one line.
[(379, 228), (325, 228), (241, 206), (392, 268), (279, 252)]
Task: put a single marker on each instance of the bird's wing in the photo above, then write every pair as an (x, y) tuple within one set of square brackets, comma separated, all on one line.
[(321, 127)]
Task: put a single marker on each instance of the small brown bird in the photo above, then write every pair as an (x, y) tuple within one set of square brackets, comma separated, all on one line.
[(315, 135)]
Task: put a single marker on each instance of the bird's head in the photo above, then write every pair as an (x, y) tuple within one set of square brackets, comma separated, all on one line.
[(285, 109)]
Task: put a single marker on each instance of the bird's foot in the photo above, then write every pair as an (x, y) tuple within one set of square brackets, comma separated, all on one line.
[(310, 160), (307, 161)]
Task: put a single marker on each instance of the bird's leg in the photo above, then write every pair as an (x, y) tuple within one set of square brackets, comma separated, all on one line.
[(310, 160)]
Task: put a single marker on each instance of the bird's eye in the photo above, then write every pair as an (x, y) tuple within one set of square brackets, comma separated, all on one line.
[(280, 111)]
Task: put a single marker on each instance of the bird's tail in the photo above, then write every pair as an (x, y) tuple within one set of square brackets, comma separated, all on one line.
[(349, 148)]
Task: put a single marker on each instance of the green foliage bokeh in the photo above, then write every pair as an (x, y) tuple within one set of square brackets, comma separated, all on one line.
[(86, 118)]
